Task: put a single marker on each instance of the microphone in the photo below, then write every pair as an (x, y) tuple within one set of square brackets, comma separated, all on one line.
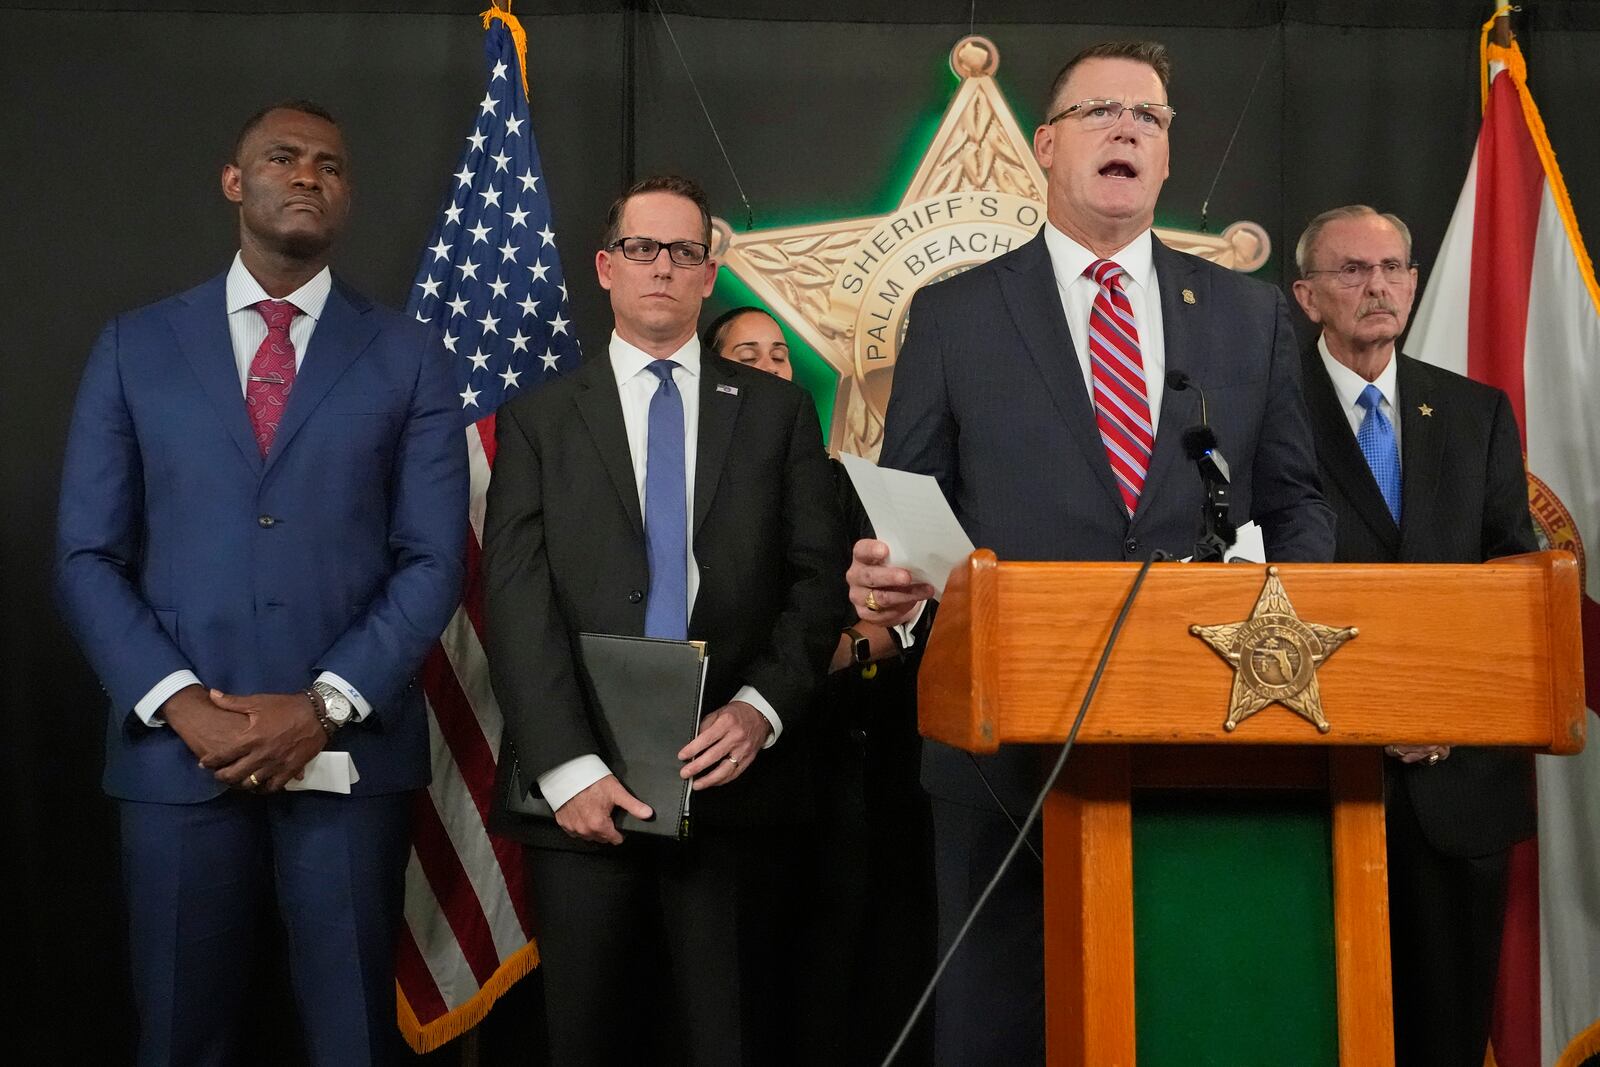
[(1178, 381), (1217, 532)]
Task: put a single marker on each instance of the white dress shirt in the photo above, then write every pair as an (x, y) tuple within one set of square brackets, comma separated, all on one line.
[(1348, 387), (1068, 260), (636, 385), (248, 329)]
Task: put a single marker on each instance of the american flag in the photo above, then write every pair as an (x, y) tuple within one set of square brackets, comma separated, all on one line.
[(490, 282)]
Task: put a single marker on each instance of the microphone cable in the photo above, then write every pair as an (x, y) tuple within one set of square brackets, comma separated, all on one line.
[(1001, 805), (1033, 812)]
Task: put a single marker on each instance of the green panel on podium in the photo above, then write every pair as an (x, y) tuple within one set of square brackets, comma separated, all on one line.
[(1233, 929)]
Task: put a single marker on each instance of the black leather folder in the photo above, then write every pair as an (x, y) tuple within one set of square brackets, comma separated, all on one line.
[(644, 700)]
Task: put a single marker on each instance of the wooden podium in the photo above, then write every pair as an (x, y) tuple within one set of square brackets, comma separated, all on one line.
[(1487, 654)]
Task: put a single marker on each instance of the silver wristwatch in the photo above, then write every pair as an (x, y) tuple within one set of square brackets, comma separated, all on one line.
[(336, 707)]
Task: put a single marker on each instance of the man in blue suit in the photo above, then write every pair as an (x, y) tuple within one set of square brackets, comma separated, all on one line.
[(262, 525), (1034, 389)]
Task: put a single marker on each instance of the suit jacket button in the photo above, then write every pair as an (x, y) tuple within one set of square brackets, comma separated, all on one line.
[(266, 521), (1131, 545), (635, 596)]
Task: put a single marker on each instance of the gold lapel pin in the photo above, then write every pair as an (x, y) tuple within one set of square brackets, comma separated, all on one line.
[(1425, 409), (1188, 296)]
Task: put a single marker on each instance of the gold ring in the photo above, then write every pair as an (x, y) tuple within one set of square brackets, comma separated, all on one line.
[(733, 760), (1433, 757), (252, 781), (872, 600)]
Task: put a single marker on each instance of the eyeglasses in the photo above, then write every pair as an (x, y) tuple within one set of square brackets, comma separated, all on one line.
[(1353, 274), (646, 249), (1101, 114)]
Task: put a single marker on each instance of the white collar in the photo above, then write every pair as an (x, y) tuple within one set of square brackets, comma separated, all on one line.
[(244, 291), (627, 360), (1070, 259), (1349, 385)]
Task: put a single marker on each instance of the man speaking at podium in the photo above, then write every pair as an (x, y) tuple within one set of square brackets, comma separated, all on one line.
[(1032, 388), (1421, 465)]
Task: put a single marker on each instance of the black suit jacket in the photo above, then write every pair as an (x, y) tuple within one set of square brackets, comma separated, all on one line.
[(989, 398), (1463, 499), (564, 553)]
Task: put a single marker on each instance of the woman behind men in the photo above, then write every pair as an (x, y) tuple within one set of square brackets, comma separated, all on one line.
[(861, 884)]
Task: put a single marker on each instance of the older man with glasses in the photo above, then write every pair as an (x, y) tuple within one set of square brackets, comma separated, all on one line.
[(1033, 389), (1420, 465)]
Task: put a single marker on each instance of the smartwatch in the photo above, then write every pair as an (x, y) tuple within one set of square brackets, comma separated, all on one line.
[(860, 647)]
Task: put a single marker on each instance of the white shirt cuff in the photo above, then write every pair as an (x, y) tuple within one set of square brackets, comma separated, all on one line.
[(359, 702), (149, 707), (563, 782), (905, 628), (749, 695)]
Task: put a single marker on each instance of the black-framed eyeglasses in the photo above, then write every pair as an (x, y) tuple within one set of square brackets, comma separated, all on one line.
[(1101, 114), (1356, 273), (646, 249)]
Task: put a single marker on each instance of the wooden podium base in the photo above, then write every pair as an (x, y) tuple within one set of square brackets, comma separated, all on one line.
[(1089, 887)]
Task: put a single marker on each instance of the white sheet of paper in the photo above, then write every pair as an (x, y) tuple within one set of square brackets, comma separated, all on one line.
[(911, 515), (329, 772), (1248, 545)]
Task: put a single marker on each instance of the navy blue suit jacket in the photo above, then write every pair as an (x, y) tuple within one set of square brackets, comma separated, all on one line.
[(179, 547), (989, 398)]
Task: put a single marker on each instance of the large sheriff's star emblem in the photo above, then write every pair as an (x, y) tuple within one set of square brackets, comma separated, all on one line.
[(844, 286), (1275, 656)]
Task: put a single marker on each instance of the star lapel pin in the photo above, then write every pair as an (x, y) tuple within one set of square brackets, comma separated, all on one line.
[(1425, 409), (1274, 656)]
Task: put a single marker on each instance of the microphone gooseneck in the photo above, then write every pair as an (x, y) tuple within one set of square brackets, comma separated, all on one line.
[(1217, 531)]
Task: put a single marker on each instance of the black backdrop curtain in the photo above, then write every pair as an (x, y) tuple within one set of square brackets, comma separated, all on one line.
[(117, 117)]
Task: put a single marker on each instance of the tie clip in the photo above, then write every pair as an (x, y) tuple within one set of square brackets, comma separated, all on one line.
[(273, 380)]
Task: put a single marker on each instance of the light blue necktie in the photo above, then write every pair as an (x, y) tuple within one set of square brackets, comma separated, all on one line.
[(666, 512), (1376, 438)]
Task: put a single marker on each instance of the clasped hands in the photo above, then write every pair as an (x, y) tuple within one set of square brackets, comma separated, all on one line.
[(256, 742), (729, 740)]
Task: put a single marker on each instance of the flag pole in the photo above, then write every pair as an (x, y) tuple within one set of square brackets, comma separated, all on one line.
[(1499, 28)]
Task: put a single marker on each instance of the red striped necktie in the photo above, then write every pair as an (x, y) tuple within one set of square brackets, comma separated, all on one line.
[(1121, 404)]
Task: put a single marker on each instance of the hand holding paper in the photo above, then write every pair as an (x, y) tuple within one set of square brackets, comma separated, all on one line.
[(916, 530), (881, 592)]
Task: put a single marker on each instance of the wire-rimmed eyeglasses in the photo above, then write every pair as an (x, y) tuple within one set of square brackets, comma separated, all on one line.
[(1356, 273), (1100, 114)]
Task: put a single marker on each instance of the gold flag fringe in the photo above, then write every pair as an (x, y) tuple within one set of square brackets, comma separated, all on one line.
[(425, 1037), (519, 37), (1583, 1046), (1517, 67)]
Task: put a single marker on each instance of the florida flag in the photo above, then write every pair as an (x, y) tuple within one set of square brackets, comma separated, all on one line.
[(1513, 302)]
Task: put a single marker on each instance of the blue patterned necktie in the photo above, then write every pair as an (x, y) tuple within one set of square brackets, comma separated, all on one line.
[(666, 512), (1376, 438)]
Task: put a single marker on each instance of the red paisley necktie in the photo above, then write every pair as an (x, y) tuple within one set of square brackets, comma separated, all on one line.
[(1121, 403), (266, 390)]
